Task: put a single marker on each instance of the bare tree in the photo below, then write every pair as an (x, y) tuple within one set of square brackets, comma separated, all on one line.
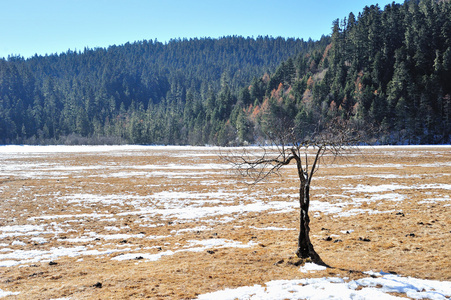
[(286, 146)]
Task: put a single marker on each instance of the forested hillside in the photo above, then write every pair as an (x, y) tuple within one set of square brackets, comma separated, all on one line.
[(389, 67), (392, 68), (137, 93)]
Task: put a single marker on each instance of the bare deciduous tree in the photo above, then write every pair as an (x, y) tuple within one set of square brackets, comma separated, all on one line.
[(285, 147)]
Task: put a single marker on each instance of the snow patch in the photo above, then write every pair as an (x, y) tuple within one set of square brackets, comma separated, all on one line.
[(21, 228), (338, 288), (18, 257), (5, 293), (311, 267), (361, 188)]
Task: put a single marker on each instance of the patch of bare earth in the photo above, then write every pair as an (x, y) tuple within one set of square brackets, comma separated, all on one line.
[(173, 223)]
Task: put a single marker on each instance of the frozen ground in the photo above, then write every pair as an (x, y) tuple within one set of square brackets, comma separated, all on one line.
[(43, 222), (378, 286)]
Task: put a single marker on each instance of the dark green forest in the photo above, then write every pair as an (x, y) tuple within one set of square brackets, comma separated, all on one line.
[(386, 68)]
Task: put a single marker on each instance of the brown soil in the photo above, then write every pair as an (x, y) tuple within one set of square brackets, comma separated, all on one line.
[(410, 236)]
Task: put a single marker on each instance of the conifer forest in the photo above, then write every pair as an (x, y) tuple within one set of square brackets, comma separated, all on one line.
[(388, 68)]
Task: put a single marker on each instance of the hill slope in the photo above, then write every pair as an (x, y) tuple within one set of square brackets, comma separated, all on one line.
[(95, 92), (390, 68)]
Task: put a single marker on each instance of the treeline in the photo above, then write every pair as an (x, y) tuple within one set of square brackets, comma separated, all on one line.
[(388, 69), (134, 93)]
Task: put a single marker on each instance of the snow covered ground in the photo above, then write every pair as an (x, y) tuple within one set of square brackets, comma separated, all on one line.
[(378, 286), (42, 224)]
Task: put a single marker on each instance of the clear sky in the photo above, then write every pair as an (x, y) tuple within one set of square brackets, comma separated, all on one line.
[(29, 27)]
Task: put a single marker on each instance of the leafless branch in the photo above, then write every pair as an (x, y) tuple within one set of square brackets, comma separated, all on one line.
[(258, 164)]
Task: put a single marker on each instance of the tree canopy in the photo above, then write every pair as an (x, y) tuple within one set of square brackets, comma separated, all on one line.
[(145, 92), (387, 67)]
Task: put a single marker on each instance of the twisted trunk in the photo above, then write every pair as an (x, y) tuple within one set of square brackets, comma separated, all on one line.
[(305, 247)]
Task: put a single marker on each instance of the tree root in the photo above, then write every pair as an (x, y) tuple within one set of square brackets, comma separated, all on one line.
[(315, 258)]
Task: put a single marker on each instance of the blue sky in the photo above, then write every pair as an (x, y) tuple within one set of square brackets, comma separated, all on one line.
[(29, 27)]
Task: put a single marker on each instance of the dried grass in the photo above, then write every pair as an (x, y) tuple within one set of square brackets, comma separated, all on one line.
[(412, 239)]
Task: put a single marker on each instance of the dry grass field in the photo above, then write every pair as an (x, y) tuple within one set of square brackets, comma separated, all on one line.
[(174, 222)]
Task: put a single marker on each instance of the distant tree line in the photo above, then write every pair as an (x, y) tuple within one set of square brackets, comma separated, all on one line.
[(147, 92), (389, 68)]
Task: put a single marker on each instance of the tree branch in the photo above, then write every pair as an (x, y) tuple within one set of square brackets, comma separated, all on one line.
[(259, 167)]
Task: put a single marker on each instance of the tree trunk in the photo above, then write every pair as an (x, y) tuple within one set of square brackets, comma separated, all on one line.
[(305, 247)]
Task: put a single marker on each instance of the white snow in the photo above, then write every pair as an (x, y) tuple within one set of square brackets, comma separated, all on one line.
[(339, 288), (181, 231), (21, 228), (5, 293), (39, 240), (413, 288), (18, 149), (435, 200), (361, 188), (311, 267), (195, 213), (146, 256), (219, 243), (17, 257), (18, 243)]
